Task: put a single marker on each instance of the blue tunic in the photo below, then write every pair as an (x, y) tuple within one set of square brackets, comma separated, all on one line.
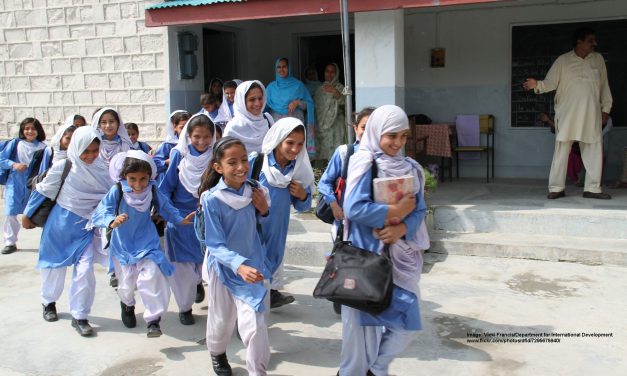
[(46, 160), (232, 240), (137, 238), (274, 232), (183, 246), (161, 155), (365, 215), (326, 185), (15, 191), (142, 146)]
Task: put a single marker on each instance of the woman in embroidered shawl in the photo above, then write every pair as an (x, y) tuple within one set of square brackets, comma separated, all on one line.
[(331, 126)]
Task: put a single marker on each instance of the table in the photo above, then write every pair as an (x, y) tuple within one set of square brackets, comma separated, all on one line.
[(438, 143)]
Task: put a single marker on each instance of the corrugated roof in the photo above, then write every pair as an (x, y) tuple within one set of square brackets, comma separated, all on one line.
[(190, 3)]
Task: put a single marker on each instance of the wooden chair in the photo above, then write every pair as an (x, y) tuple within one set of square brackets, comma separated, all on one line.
[(486, 127)]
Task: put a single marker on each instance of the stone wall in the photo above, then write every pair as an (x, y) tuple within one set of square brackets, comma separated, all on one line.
[(60, 57)]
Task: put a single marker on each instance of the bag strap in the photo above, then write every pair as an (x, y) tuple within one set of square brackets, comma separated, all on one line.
[(257, 165), (66, 171), (120, 195), (154, 203), (350, 149), (265, 116), (340, 229)]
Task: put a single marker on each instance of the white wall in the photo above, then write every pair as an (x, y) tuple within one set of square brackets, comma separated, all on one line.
[(476, 78)]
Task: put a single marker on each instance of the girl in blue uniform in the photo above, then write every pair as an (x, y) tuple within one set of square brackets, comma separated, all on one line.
[(69, 237), (287, 174), (59, 144), (370, 343), (173, 126), (133, 134), (109, 124), (232, 207), (188, 161), (16, 157), (135, 242)]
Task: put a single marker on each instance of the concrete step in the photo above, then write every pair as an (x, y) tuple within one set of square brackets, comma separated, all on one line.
[(586, 223), (536, 247)]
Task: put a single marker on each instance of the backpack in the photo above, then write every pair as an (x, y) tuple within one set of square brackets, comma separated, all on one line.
[(323, 210), (40, 216), (4, 173), (34, 176)]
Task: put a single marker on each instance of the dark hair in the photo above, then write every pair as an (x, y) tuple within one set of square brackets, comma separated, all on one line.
[(230, 84), (135, 165), (112, 112), (211, 177), (178, 117), (219, 130), (254, 85), (132, 126), (581, 34), (79, 117), (69, 129), (201, 121), (366, 111), (285, 60), (41, 135), (298, 129), (96, 111), (207, 98)]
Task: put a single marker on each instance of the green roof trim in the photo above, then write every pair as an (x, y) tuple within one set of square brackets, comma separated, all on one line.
[(189, 3)]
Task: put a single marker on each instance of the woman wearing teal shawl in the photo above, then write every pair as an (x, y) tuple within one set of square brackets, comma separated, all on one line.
[(287, 96)]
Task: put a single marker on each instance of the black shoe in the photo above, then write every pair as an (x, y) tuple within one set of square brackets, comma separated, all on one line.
[(200, 293), (50, 312), (599, 196), (369, 373), (278, 300), (556, 195), (128, 315), (9, 249), (154, 330), (113, 281), (221, 365), (82, 327), (186, 318)]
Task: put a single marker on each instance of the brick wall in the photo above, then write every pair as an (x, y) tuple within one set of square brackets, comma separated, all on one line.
[(60, 57)]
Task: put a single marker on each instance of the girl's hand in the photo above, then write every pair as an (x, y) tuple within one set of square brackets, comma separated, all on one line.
[(120, 219), (292, 106), (407, 204), (297, 190), (167, 162), (391, 234), (189, 219), (259, 201), (338, 213), (249, 274), (27, 223), (19, 167)]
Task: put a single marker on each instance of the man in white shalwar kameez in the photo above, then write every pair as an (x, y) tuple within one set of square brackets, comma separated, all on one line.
[(582, 103)]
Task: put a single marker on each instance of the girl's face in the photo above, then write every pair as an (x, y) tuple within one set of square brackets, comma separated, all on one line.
[(30, 132), (133, 135), (201, 138), (360, 128), (65, 140), (291, 146), (138, 181), (91, 153), (329, 73), (282, 69), (79, 122), (216, 88), (109, 126), (178, 128), (233, 166), (229, 94), (254, 101), (210, 107), (391, 143)]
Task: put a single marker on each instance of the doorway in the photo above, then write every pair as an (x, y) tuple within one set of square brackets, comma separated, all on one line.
[(221, 65)]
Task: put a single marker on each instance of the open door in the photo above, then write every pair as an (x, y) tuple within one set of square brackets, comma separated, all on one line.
[(219, 55)]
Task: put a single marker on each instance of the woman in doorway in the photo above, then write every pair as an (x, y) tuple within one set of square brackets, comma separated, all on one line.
[(287, 96), (330, 113)]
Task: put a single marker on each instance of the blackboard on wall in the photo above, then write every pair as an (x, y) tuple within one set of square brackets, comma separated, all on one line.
[(535, 48)]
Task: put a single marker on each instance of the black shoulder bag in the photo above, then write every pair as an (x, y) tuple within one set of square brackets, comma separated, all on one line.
[(323, 210), (40, 216)]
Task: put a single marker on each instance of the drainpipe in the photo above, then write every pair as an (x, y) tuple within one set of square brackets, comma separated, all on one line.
[(348, 85)]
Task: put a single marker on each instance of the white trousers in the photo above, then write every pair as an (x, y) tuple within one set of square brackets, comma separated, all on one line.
[(11, 228), (224, 310), (82, 287), (369, 347), (183, 282), (151, 285), (278, 279), (592, 157)]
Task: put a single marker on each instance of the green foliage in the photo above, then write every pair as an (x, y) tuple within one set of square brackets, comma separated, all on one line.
[(430, 182)]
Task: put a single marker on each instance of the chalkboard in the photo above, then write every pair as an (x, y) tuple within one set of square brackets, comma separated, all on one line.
[(535, 48)]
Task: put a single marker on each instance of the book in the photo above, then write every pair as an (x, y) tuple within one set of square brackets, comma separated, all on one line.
[(391, 190)]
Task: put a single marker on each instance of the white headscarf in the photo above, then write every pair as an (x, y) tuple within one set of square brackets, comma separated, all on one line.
[(302, 172), (249, 128), (171, 136), (86, 184), (110, 148), (142, 200), (224, 112), (26, 150), (192, 167), (56, 140)]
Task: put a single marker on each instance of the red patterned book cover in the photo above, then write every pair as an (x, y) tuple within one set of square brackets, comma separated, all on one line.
[(391, 190)]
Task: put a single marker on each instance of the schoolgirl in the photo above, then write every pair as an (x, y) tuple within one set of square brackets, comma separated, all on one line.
[(68, 238), (226, 110), (188, 161), (232, 207), (115, 139), (134, 240), (133, 134), (210, 105), (249, 123), (16, 157), (59, 144), (173, 126), (370, 343), (287, 174), (78, 120)]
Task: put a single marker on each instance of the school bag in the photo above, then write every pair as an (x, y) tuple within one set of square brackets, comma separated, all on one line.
[(323, 210), (34, 176), (4, 173), (40, 216), (199, 219)]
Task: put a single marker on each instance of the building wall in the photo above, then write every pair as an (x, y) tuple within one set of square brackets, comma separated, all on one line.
[(58, 58), (476, 78)]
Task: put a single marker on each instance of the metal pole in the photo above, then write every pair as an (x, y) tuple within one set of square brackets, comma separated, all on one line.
[(348, 85)]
